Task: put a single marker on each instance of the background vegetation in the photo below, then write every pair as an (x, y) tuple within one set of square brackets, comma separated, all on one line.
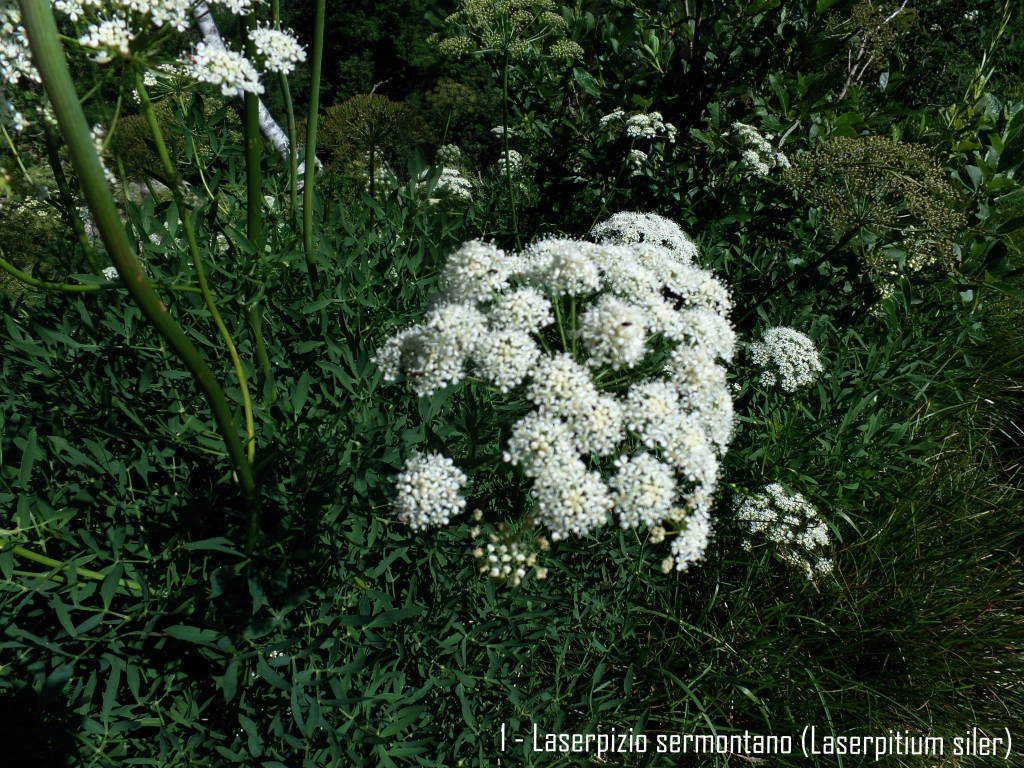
[(138, 629)]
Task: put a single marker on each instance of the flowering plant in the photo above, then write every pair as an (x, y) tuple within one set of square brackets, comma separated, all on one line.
[(611, 355)]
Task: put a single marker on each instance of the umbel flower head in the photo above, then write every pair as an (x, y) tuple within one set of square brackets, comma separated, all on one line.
[(611, 356), (512, 28), (112, 28), (791, 523), (788, 358), (758, 155)]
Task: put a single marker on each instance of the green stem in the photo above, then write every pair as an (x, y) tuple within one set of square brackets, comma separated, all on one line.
[(286, 92), (253, 145), (293, 151), (35, 557), (37, 17), (190, 236), (310, 162), (615, 186), (35, 282), (252, 316), (74, 220), (17, 156), (572, 321), (508, 160)]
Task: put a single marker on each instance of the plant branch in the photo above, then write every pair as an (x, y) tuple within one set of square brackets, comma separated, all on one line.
[(48, 55)]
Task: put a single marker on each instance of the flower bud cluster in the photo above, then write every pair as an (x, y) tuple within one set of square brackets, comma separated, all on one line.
[(108, 37), (505, 560)]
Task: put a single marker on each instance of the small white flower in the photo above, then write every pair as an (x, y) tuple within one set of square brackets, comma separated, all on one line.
[(427, 491), (280, 50), (110, 273), (644, 491), (792, 523), (505, 358), (613, 332), (629, 228), (227, 69), (537, 439), (690, 544), (524, 309), (106, 37), (570, 500), (788, 357), (563, 266), (475, 272)]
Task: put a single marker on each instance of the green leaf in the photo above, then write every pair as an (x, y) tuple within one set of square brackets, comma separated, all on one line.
[(110, 692), (301, 393), (109, 587), (193, 634), (216, 544), (64, 617), (29, 454), (587, 82), (267, 673), (228, 682)]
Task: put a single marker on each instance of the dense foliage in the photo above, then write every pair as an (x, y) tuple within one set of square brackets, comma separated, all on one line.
[(219, 569)]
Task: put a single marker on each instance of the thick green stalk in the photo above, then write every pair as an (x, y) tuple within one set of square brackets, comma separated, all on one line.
[(252, 316), (310, 162), (37, 17)]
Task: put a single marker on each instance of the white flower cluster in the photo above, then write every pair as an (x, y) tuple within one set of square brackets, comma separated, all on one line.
[(614, 332), (219, 66), (15, 62), (788, 357), (451, 185), (631, 228), (427, 491), (635, 161), (648, 451), (790, 522), (280, 50), (111, 31), (106, 37), (448, 154), (432, 355), (515, 163), (173, 13), (649, 125), (759, 156)]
